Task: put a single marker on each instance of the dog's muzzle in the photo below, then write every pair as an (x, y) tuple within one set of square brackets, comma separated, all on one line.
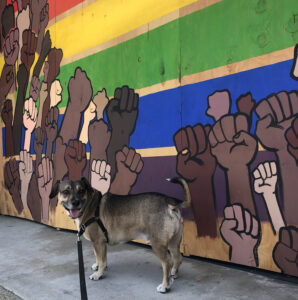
[(73, 213)]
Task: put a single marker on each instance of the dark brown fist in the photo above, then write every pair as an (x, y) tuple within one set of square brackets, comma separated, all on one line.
[(285, 252), (75, 158), (52, 124), (122, 111), (6, 113), (11, 47), (28, 49), (194, 158), (12, 183)]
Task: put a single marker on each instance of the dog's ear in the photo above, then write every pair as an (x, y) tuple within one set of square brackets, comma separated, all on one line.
[(86, 184), (54, 190)]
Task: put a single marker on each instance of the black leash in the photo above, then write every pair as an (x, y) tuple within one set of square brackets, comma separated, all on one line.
[(80, 249), (81, 270)]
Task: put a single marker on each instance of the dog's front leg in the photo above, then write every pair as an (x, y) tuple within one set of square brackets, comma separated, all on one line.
[(100, 251)]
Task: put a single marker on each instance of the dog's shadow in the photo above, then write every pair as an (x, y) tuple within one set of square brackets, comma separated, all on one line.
[(122, 262)]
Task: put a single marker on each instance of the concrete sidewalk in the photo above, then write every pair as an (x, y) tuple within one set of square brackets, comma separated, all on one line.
[(39, 262)]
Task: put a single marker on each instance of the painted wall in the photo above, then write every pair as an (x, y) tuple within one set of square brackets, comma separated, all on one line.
[(129, 93)]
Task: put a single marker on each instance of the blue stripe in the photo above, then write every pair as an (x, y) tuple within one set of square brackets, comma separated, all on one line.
[(162, 114)]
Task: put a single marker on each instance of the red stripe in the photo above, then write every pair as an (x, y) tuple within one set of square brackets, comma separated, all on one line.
[(56, 7), (14, 4)]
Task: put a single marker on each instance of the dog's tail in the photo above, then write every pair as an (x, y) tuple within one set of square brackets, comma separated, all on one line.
[(184, 184)]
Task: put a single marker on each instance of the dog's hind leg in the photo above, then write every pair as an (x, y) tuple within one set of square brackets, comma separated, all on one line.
[(100, 251), (161, 252), (174, 247), (177, 259)]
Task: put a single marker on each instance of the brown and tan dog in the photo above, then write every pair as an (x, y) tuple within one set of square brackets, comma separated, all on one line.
[(150, 216)]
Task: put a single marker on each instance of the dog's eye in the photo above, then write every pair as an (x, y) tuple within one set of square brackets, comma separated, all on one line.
[(81, 192), (65, 193)]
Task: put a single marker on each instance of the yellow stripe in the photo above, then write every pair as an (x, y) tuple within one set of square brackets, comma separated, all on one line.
[(107, 19), (198, 5), (148, 152), (155, 152)]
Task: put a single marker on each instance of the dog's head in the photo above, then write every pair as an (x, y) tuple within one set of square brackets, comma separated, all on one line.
[(73, 195)]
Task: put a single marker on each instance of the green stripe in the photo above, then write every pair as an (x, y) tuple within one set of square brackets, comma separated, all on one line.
[(224, 33)]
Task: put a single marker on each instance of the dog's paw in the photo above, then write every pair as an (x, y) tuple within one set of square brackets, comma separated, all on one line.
[(94, 267), (162, 289), (96, 276)]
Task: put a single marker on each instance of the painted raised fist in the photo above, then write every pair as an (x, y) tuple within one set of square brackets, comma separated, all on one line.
[(241, 230), (11, 47), (231, 142), (285, 252), (275, 117), (129, 165), (100, 176)]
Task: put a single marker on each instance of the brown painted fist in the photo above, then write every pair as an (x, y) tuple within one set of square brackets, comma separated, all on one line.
[(36, 8), (6, 80), (75, 158), (194, 158), (6, 113), (28, 49), (99, 137), (11, 47), (285, 252), (39, 137), (241, 230), (54, 60), (129, 165), (275, 117), (231, 142), (52, 124), (80, 91), (34, 88), (12, 183), (245, 105), (122, 110)]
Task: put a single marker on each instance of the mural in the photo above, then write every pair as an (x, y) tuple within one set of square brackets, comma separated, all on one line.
[(128, 111)]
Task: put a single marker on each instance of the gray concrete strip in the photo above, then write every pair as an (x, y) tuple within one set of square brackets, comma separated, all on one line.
[(8, 295), (39, 262)]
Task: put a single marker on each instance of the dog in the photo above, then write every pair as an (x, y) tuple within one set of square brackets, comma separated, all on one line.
[(151, 216)]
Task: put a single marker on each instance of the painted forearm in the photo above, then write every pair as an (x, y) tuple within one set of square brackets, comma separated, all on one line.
[(24, 192), (49, 149), (84, 132), (274, 211), (120, 187), (75, 174), (241, 257), (9, 151), (289, 179), (203, 206), (27, 141), (70, 125), (40, 61), (240, 189), (42, 98), (18, 116), (33, 199)]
